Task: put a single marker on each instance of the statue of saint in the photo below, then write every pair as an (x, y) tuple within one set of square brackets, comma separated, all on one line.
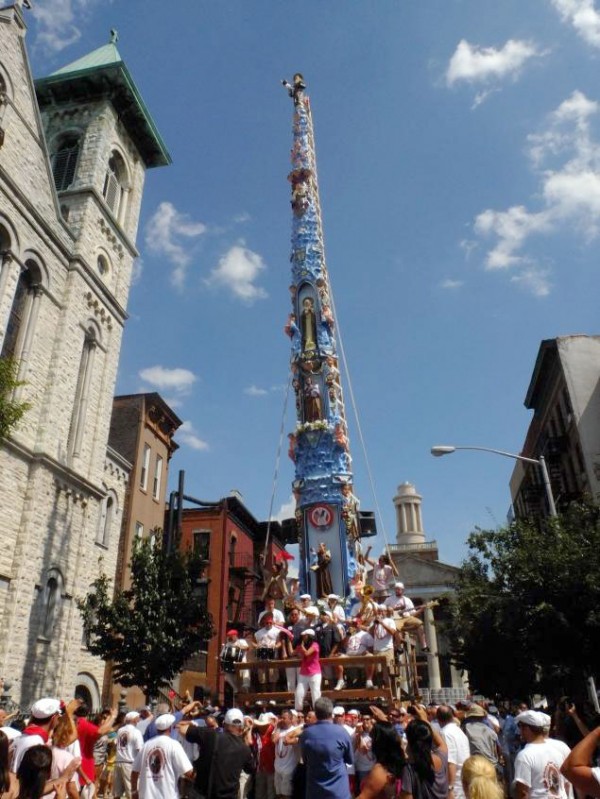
[(312, 401), (324, 583), (308, 323)]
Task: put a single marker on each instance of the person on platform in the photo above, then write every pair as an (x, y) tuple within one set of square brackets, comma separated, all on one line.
[(383, 631), (382, 575), (404, 609), (160, 764), (267, 642), (358, 642), (337, 610), (277, 614), (309, 673), (326, 751), (327, 635), (234, 644), (308, 610)]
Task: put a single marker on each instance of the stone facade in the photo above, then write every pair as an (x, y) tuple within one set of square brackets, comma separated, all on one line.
[(62, 313)]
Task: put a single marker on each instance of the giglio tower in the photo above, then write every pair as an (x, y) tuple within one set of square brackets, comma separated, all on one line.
[(326, 508)]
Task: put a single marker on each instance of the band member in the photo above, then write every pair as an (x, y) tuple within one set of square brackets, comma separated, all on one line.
[(406, 614), (382, 575), (234, 651), (267, 642)]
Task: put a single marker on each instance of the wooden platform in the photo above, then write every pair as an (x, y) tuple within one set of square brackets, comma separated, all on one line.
[(358, 695)]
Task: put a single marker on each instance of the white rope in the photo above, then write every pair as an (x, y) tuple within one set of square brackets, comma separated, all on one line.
[(277, 460), (358, 426)]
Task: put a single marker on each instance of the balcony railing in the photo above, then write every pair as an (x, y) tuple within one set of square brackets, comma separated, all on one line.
[(427, 546)]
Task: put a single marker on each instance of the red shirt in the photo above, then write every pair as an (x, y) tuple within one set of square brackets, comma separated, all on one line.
[(88, 734), (266, 757)]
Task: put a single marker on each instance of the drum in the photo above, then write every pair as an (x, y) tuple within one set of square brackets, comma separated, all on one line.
[(266, 653), (230, 655)]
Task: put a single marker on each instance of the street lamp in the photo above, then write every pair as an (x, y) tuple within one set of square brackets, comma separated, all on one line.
[(541, 462)]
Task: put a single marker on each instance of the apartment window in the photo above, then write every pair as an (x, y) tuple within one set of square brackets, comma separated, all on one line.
[(139, 530), (201, 543), (145, 468), (157, 477)]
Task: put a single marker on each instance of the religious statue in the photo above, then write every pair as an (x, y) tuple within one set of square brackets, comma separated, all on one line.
[(324, 584), (274, 579), (340, 437), (313, 410), (291, 329), (292, 446), (350, 505), (308, 325)]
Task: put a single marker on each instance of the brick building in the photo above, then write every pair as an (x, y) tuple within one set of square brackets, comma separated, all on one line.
[(74, 150), (230, 542)]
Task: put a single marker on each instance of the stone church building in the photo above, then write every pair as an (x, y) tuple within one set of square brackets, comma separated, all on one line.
[(74, 150)]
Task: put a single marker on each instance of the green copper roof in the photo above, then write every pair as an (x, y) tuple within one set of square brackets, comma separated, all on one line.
[(102, 57), (103, 74)]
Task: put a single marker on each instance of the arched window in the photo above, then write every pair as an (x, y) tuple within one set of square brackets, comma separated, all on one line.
[(52, 599), (64, 160), (82, 392), (19, 326), (115, 181), (108, 511)]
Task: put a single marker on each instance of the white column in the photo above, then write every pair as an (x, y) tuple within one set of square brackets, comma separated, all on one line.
[(433, 664)]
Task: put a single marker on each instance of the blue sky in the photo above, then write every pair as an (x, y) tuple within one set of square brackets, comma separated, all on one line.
[(459, 166)]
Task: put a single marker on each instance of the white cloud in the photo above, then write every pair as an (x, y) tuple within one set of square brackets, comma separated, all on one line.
[(286, 511), (583, 16), (55, 21), (178, 380), (533, 280), (255, 391), (475, 64), (567, 160), (237, 271), (166, 231), (188, 436), (468, 245), (451, 284)]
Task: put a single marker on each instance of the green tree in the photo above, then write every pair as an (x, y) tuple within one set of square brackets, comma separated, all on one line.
[(148, 631), (11, 411), (526, 614)]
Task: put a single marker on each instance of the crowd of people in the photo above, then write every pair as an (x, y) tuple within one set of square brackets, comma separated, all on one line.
[(309, 630), (200, 751)]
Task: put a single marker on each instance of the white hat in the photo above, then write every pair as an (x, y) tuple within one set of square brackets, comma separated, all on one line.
[(233, 716), (311, 610), (353, 713), (332, 596), (534, 718), (164, 722), (305, 596), (324, 612), (338, 710), (133, 714), (308, 631), (44, 708), (398, 585), (264, 719)]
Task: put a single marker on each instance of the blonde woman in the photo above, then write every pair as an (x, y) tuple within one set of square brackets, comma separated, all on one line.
[(479, 779)]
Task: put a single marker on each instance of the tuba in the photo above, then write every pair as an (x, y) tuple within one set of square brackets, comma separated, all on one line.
[(367, 610)]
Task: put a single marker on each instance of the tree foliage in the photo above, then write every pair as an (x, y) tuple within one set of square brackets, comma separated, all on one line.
[(11, 411), (526, 614), (148, 631)]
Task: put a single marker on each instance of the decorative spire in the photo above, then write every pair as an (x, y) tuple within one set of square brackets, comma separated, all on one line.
[(319, 446)]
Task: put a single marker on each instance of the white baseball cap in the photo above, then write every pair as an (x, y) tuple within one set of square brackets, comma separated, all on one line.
[(339, 711), (534, 718), (233, 716), (133, 714), (44, 708), (163, 722)]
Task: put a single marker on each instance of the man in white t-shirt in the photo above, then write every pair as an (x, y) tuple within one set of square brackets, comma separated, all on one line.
[(287, 755), (404, 609), (270, 608), (537, 765), (129, 743), (383, 631), (358, 642), (160, 764), (267, 645), (458, 750)]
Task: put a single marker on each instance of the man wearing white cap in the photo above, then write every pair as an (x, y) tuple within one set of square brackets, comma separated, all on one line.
[(129, 743), (160, 764), (537, 765), (337, 611), (309, 611), (383, 631), (404, 609), (287, 753), (223, 757), (44, 715)]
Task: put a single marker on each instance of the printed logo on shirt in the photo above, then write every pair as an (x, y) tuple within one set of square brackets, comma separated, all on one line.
[(156, 762), (552, 779), (122, 741)]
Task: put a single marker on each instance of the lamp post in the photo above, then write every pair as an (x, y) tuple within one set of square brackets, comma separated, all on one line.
[(541, 462)]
